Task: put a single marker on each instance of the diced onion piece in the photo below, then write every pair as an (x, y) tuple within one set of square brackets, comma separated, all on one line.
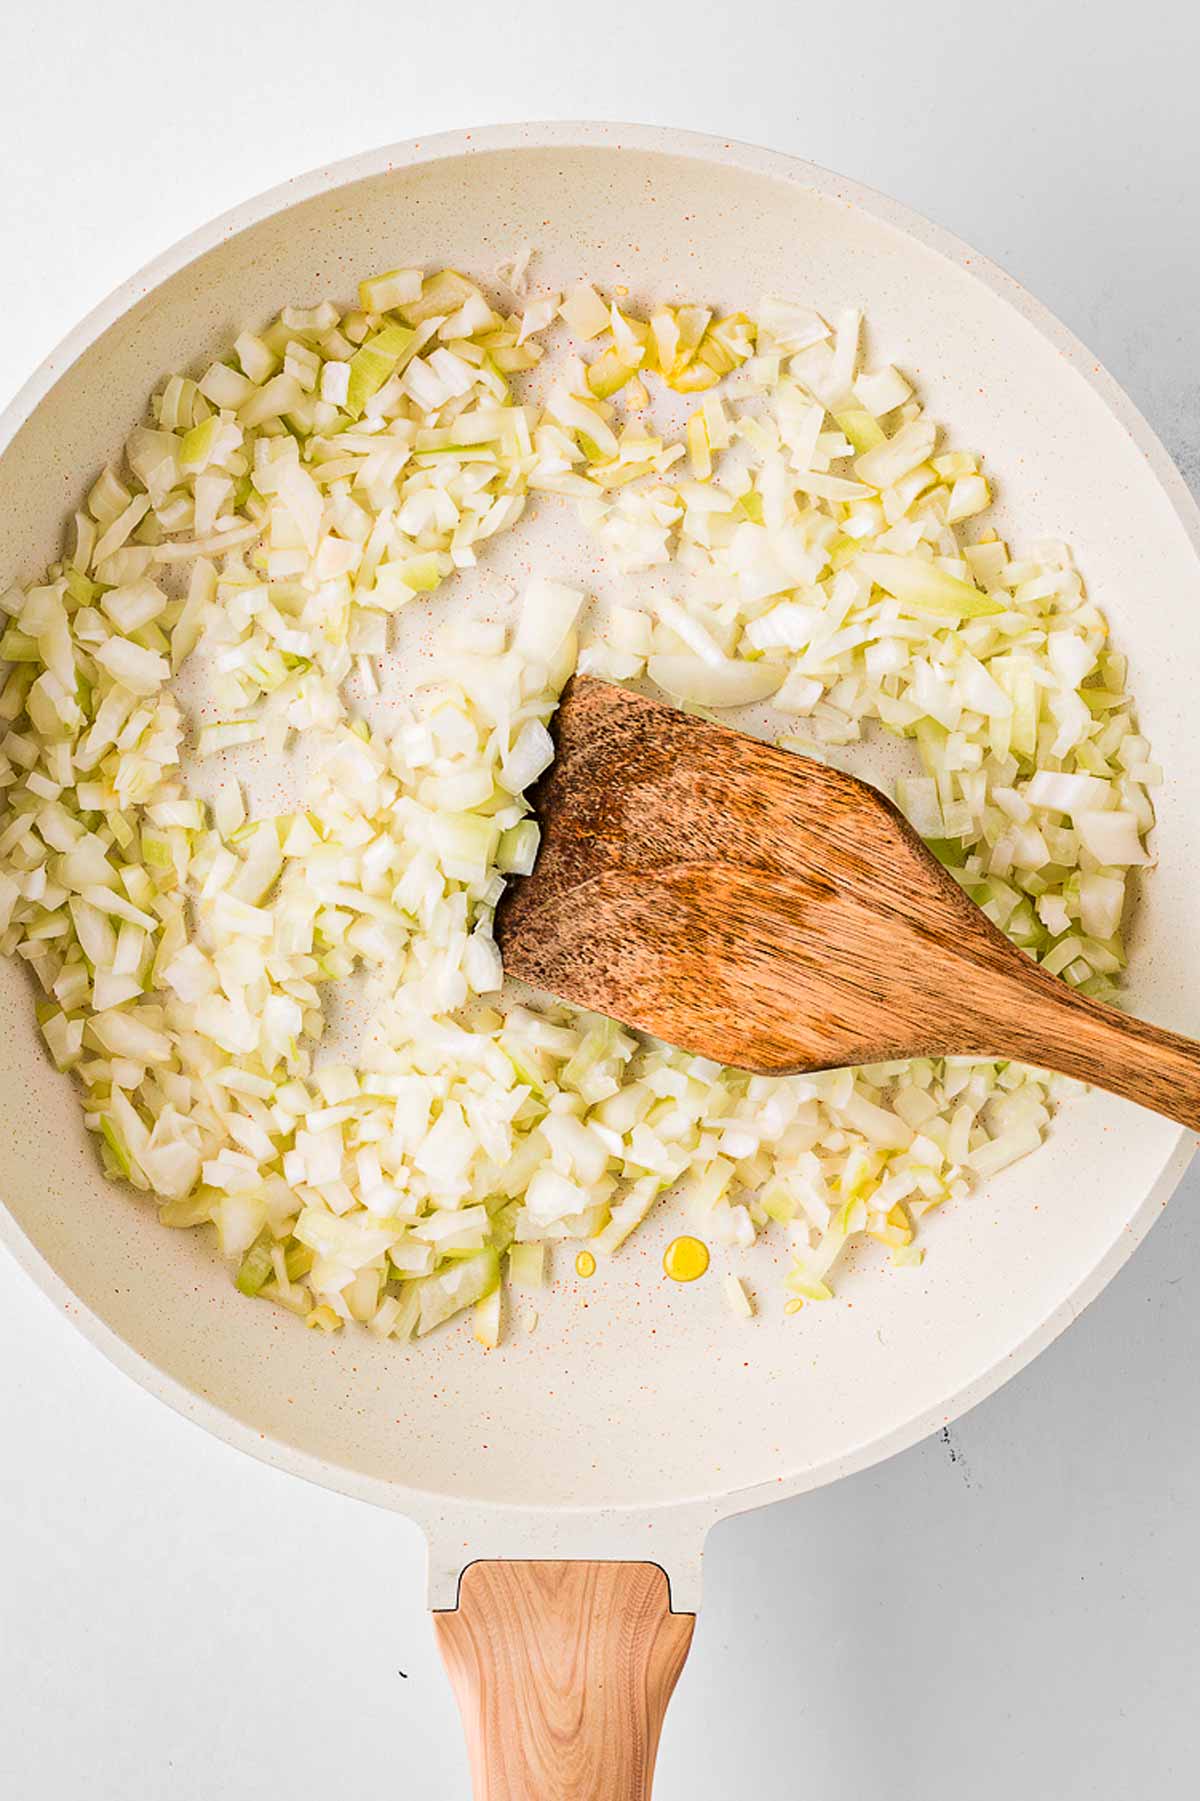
[(584, 311), (725, 684), (487, 1321), (548, 614), (1112, 837), (398, 287), (141, 671), (920, 585), (527, 1265), (737, 1298)]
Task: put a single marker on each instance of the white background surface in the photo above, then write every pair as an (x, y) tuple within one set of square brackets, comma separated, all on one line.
[(1011, 1609)]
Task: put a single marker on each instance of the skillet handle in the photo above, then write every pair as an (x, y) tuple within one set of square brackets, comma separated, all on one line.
[(563, 1672)]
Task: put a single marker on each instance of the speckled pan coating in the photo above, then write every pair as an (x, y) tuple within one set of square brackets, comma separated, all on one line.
[(638, 1413)]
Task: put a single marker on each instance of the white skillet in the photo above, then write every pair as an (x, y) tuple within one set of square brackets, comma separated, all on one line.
[(620, 1431)]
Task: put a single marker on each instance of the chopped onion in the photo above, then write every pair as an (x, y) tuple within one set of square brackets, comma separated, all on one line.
[(725, 684), (188, 942)]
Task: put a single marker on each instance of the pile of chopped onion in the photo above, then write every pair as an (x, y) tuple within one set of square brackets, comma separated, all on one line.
[(263, 527)]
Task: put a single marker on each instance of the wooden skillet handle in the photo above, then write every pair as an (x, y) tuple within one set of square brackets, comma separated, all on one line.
[(563, 1672)]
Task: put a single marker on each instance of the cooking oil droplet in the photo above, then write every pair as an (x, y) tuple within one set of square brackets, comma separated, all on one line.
[(685, 1258), (585, 1264)]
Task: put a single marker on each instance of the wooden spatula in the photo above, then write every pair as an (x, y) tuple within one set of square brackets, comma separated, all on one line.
[(762, 909)]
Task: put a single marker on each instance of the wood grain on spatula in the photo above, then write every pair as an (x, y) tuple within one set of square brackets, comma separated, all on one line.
[(763, 909)]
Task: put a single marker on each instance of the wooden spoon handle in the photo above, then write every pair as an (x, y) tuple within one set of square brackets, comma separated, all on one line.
[(1050, 1025), (563, 1672)]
